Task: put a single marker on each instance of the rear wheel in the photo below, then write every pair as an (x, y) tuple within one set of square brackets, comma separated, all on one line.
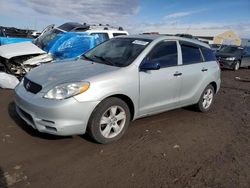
[(206, 99), (109, 121)]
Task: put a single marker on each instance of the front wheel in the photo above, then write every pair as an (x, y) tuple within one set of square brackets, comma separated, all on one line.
[(236, 66), (2, 68), (109, 120), (206, 99)]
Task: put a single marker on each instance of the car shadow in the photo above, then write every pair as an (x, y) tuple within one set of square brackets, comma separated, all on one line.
[(28, 129), (88, 138), (3, 182)]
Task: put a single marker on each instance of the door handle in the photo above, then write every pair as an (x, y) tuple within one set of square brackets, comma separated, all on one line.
[(204, 69), (177, 74)]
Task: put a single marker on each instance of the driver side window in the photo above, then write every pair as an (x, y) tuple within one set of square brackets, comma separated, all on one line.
[(165, 53)]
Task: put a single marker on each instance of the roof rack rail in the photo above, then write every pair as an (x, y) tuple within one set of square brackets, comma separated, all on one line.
[(103, 26)]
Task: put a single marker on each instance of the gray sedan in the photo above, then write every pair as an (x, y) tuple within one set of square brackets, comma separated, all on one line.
[(120, 80)]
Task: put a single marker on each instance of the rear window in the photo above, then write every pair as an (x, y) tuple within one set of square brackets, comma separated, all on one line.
[(190, 54), (208, 54), (118, 34), (71, 26)]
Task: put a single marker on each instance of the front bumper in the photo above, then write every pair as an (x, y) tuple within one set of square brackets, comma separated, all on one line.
[(58, 117), (227, 64)]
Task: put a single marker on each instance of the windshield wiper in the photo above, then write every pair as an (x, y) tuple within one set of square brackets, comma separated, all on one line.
[(87, 58), (105, 60)]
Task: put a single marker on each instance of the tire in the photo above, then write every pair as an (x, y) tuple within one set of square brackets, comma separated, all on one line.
[(109, 121), (2, 68), (208, 96), (236, 65)]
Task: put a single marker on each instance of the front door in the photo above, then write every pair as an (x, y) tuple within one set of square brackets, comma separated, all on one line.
[(159, 89)]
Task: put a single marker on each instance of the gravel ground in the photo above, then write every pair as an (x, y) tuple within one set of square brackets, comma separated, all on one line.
[(179, 148)]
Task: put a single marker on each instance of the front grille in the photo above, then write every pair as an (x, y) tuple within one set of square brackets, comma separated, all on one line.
[(31, 86)]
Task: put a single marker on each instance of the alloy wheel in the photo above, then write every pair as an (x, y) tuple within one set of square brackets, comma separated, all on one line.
[(207, 98), (112, 121)]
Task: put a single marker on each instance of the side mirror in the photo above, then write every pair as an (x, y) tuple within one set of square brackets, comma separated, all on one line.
[(150, 66)]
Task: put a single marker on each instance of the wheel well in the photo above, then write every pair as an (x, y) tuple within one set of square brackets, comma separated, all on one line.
[(2, 67), (214, 86), (240, 60), (128, 101)]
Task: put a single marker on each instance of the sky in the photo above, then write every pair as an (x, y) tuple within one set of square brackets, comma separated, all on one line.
[(136, 16)]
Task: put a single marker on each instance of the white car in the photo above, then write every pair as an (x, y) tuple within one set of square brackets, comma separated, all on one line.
[(120, 80)]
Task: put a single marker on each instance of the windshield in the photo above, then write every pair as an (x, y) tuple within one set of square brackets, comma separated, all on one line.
[(214, 45), (119, 52), (47, 37), (229, 49)]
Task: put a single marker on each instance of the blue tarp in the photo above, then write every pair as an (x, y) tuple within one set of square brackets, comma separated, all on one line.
[(9, 40), (70, 45)]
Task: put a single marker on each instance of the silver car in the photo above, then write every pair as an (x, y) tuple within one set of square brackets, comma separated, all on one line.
[(120, 80)]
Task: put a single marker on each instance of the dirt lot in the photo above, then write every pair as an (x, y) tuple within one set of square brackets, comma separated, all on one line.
[(180, 148)]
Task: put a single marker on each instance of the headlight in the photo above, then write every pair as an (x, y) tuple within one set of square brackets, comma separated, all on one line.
[(230, 58), (67, 90), (44, 58)]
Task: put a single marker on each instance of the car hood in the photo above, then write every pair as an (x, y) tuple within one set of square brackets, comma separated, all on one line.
[(51, 75), (19, 49)]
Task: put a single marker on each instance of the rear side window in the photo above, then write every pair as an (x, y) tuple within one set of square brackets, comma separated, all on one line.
[(118, 34), (165, 53), (208, 54), (190, 54)]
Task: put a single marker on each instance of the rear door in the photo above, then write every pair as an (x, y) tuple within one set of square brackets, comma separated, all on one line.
[(159, 89), (193, 72)]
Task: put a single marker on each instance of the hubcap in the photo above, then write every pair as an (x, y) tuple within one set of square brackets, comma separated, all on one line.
[(207, 98), (112, 121)]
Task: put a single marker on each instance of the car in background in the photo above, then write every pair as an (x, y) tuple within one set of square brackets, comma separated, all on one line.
[(233, 57), (215, 47), (64, 42), (10, 35), (120, 80)]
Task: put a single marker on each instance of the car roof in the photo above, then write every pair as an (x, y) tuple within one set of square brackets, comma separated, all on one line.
[(165, 37), (105, 31)]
